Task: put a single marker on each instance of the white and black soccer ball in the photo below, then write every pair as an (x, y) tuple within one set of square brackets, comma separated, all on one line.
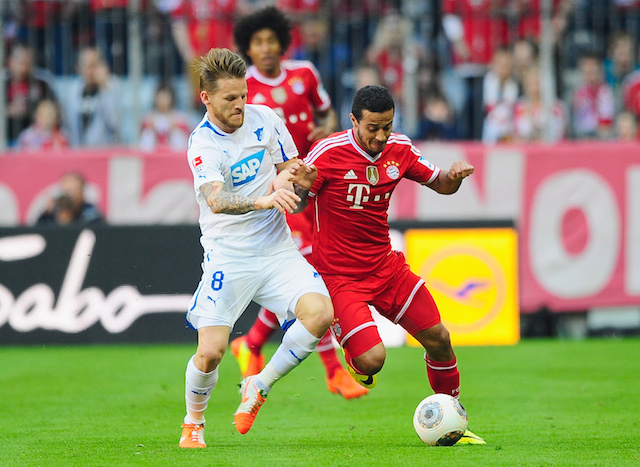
[(440, 420)]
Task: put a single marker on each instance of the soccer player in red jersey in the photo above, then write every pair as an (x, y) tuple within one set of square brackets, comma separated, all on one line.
[(358, 169), (294, 90)]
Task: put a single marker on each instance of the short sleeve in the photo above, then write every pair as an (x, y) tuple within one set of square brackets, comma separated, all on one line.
[(205, 162), (283, 148), (420, 169)]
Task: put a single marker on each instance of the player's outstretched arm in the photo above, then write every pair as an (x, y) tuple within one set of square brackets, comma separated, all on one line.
[(221, 201), (448, 182)]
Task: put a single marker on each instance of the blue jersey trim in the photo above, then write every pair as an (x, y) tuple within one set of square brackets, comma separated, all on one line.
[(208, 124)]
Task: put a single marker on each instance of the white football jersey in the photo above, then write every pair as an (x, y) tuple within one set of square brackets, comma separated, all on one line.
[(245, 161)]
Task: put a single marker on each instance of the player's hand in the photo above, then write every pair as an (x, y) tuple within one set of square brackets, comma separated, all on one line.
[(317, 132), (283, 200), (304, 175), (285, 178), (460, 170)]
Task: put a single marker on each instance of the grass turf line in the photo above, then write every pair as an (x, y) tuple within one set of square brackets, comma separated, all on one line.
[(537, 403)]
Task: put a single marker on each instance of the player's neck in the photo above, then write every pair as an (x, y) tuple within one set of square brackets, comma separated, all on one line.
[(270, 73)]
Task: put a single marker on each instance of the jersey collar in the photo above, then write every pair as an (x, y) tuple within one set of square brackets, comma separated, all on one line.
[(277, 81), (357, 147)]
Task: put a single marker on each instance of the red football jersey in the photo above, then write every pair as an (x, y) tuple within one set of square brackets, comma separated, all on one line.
[(210, 23), (293, 95), (352, 193), (631, 92)]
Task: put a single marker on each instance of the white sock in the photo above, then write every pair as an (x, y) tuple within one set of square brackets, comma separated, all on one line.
[(197, 390), (297, 344)]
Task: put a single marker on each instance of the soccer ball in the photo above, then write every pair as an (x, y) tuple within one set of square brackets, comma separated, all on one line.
[(440, 420)]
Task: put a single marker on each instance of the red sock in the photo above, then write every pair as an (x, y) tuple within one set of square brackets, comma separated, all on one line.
[(444, 377), (327, 353), (261, 330)]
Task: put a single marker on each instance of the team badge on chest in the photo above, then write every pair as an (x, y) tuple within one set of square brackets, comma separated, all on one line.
[(297, 86), (279, 95), (373, 177), (391, 169)]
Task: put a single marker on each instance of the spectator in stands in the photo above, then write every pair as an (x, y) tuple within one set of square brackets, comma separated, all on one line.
[(437, 122), (526, 120), (330, 58), (475, 29), (39, 23), (391, 43), (626, 126), (525, 55), (619, 63), (69, 204), (164, 127), (498, 84), (592, 101), (197, 26), (525, 17), (631, 92), (44, 133), (111, 32), (25, 87), (93, 106)]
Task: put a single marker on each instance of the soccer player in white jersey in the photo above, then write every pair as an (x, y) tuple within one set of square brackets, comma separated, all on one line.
[(246, 176)]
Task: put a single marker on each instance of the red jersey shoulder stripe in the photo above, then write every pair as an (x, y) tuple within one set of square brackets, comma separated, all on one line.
[(325, 144), (399, 138)]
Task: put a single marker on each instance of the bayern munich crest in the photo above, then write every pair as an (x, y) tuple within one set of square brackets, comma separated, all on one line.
[(337, 330), (393, 172)]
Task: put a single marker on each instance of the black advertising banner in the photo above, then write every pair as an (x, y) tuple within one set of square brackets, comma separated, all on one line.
[(99, 285)]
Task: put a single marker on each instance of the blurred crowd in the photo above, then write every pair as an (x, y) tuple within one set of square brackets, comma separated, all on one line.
[(458, 69)]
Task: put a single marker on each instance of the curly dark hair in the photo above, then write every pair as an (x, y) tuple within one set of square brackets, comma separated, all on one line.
[(266, 18)]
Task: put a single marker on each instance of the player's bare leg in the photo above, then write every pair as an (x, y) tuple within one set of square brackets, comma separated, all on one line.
[(201, 377)]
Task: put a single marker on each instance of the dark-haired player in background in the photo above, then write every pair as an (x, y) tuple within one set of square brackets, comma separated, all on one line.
[(358, 169), (294, 90)]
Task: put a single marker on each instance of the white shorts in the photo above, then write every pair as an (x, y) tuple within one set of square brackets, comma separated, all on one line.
[(230, 282)]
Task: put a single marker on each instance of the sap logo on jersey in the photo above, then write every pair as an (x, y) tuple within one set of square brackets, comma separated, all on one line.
[(246, 170)]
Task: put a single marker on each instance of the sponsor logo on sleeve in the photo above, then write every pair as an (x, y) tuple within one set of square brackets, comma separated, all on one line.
[(426, 163)]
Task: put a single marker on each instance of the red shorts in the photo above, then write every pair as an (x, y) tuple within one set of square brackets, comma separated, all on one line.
[(397, 293)]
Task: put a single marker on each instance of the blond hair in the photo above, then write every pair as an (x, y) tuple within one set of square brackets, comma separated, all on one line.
[(219, 64)]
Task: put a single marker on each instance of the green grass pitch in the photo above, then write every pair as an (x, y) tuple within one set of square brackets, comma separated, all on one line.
[(539, 403)]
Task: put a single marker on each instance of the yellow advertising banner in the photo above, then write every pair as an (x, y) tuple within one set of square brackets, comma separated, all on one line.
[(473, 276)]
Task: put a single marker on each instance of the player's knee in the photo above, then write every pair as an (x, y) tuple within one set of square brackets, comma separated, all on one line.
[(315, 311), (437, 342), (208, 359), (372, 361)]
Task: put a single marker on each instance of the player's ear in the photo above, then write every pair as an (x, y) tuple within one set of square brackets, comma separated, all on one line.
[(354, 120), (204, 97)]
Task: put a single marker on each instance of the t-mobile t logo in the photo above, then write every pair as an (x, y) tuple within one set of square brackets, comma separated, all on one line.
[(361, 194)]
